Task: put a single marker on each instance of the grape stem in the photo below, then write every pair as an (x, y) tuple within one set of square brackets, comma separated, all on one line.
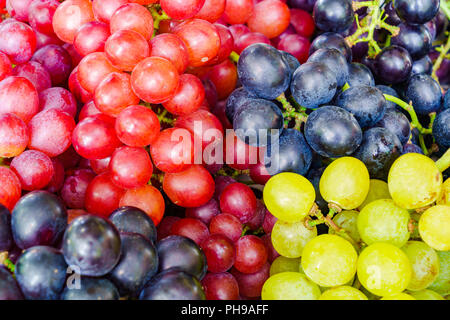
[(437, 64), (4, 260), (234, 57), (444, 162), (290, 112), (158, 15)]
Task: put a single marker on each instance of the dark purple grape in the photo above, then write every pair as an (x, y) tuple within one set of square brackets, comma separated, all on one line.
[(412, 148), (333, 132), (392, 17), (333, 15), (367, 104), (92, 244), (397, 123), (182, 253), (424, 65), (204, 213), (388, 90), (424, 93), (256, 121), (133, 220), (39, 218), (173, 284), (307, 5), (441, 128), (137, 265), (393, 65), (416, 11), (431, 27), (290, 153), (6, 239), (91, 289), (446, 101), (313, 84), (314, 176), (291, 61), (360, 75), (334, 60), (41, 273), (9, 290), (414, 38), (262, 71), (441, 22), (378, 150), (331, 40), (235, 100)]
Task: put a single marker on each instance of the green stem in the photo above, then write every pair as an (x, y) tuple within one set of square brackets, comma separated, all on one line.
[(290, 112), (4, 260), (234, 57), (444, 162), (437, 64), (157, 16)]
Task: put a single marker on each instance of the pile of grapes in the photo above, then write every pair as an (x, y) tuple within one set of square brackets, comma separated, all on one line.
[(224, 149)]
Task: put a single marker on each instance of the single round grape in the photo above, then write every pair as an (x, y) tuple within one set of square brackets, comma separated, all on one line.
[(331, 248), (378, 190), (91, 289), (424, 65), (343, 293), (346, 219), (414, 181), (416, 11), (289, 239), (414, 38), (9, 289), (426, 295), (133, 220), (383, 221), (345, 182), (289, 196), (398, 296), (360, 75), (333, 15), (283, 264), (331, 40), (441, 128), (424, 262), (394, 65), (220, 286), (334, 60), (289, 286), (434, 224), (425, 94), (397, 123), (383, 269), (441, 285)]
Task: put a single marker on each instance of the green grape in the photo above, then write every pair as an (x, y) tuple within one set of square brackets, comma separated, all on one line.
[(424, 262), (442, 283), (343, 293), (414, 181), (345, 182), (289, 239), (383, 221), (434, 227), (384, 269), (289, 196), (347, 220), (444, 198), (329, 260), (399, 296), (289, 286), (426, 295), (378, 190), (283, 264)]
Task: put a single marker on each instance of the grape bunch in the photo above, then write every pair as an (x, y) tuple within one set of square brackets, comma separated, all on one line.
[(224, 150)]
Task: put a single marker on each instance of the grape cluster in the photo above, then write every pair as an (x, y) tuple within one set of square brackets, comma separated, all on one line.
[(224, 150)]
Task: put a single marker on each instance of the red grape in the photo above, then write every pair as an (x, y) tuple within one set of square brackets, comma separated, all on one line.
[(238, 30), (220, 286), (102, 196), (75, 87), (204, 213), (211, 10), (270, 17), (93, 69), (224, 76), (14, 135), (251, 254), (104, 9), (70, 158), (190, 228), (58, 98), (248, 39), (100, 165), (88, 110), (220, 253), (188, 96), (34, 72), (57, 179), (226, 44), (18, 96), (5, 66), (238, 11), (239, 200), (33, 168), (258, 219), (43, 40), (18, 41), (171, 47), (91, 37), (238, 154), (272, 253), (296, 45), (40, 15), (250, 284), (259, 174), (227, 225), (57, 61), (132, 16), (165, 226), (10, 188), (74, 189), (302, 22), (181, 9), (289, 30), (18, 9)]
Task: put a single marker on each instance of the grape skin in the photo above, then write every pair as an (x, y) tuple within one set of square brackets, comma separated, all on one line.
[(441, 285), (289, 239), (343, 293), (378, 190), (426, 295), (347, 220), (289, 286), (283, 264), (434, 226)]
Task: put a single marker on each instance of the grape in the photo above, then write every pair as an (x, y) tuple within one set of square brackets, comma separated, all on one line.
[(14, 135), (441, 284), (249, 39), (226, 224), (283, 264), (393, 64), (137, 265), (334, 60), (126, 48), (412, 148), (204, 213), (132, 16), (238, 200), (236, 99), (10, 188), (211, 11), (181, 253), (345, 182), (333, 15), (397, 123), (251, 254), (237, 11), (91, 289), (104, 9), (409, 192), (33, 168), (56, 60), (58, 98), (73, 191), (384, 269), (289, 286), (347, 220), (191, 228), (181, 10), (378, 150), (172, 48), (366, 103), (398, 296), (18, 96), (414, 38), (219, 252), (424, 65), (290, 60), (9, 290), (270, 18), (250, 284), (36, 73), (5, 66), (188, 97), (224, 77), (426, 295), (92, 244), (343, 293), (6, 238), (360, 75), (383, 221), (66, 23), (416, 11), (441, 128), (289, 196), (445, 195), (390, 91), (220, 286), (424, 262), (332, 248), (331, 40), (424, 93), (92, 69), (433, 227), (333, 132), (91, 37), (226, 47), (22, 48), (289, 239), (173, 284), (133, 220), (262, 71), (378, 190)]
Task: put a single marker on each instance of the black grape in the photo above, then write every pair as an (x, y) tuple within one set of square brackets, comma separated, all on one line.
[(41, 273), (446, 102), (6, 240), (313, 84), (367, 104), (333, 15), (9, 290), (39, 218), (333, 132), (416, 11), (390, 91), (92, 244), (238, 97), (291, 61), (393, 65), (134, 220), (414, 38), (359, 75), (392, 17), (334, 60), (262, 71), (92, 289), (397, 123), (424, 93), (331, 40), (378, 150), (424, 65), (441, 128), (412, 148), (290, 153)]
